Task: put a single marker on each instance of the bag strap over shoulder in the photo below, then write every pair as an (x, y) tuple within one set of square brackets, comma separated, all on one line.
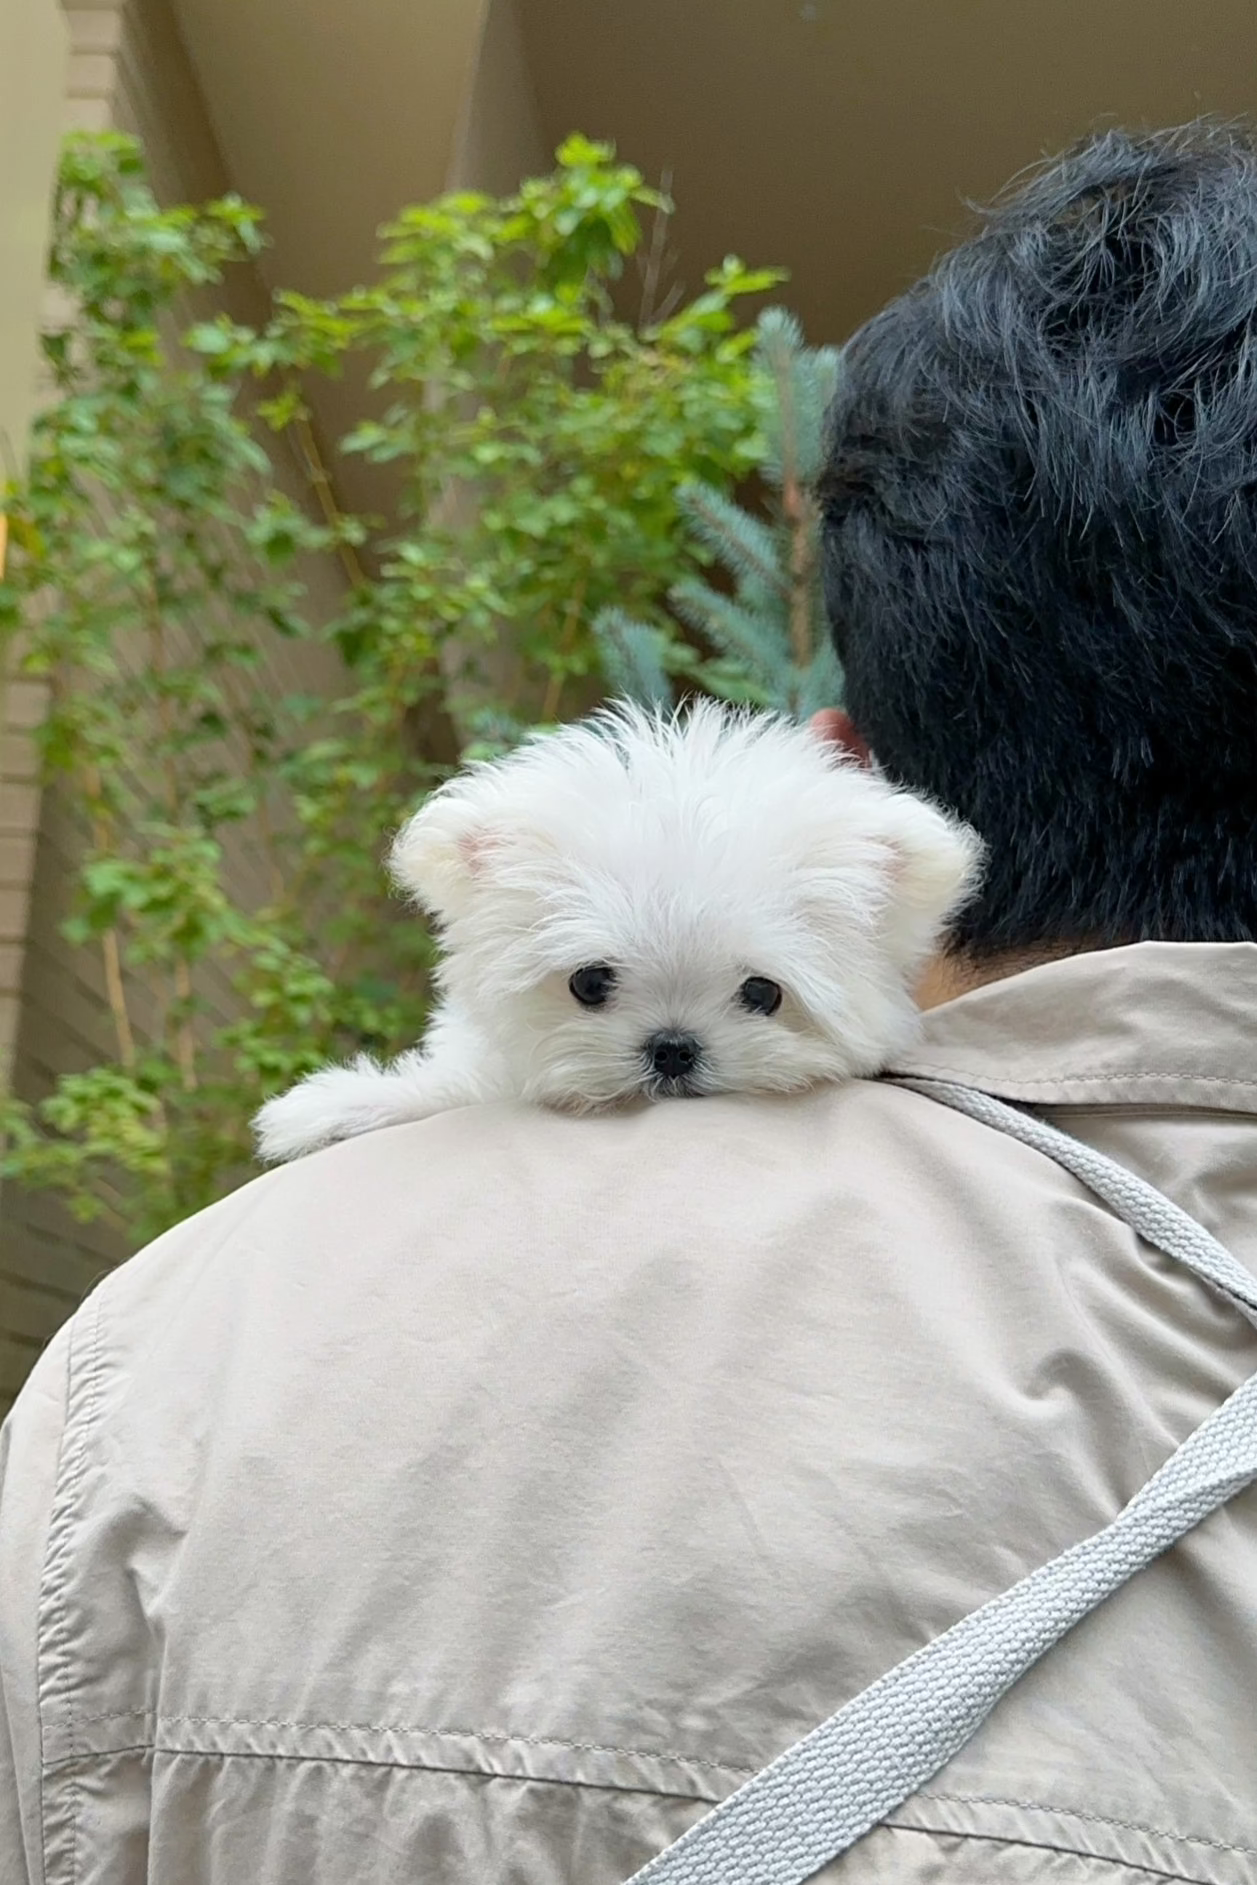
[(829, 1789)]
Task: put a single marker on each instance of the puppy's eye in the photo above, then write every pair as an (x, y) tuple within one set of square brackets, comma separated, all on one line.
[(591, 986), (759, 996)]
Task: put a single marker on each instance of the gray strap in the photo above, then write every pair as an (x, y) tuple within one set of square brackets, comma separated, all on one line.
[(831, 1788)]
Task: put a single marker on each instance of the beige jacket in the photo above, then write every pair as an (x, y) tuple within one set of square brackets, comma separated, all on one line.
[(481, 1500)]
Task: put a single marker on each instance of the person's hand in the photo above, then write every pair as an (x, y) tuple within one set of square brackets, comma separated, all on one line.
[(835, 726)]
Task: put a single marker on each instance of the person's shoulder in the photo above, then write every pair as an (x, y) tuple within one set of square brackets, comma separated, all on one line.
[(867, 1136), (726, 1166), (487, 1192)]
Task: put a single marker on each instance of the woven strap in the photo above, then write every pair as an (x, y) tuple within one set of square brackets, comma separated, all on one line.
[(828, 1790)]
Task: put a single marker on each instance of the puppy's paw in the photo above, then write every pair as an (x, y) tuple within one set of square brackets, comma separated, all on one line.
[(335, 1103)]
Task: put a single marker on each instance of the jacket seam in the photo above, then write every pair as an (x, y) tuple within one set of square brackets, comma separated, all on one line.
[(497, 1736), (1049, 1845), (150, 1748), (661, 1793), (54, 1650), (394, 1727), (1092, 1819)]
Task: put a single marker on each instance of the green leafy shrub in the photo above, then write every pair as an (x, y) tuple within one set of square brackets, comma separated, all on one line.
[(230, 877)]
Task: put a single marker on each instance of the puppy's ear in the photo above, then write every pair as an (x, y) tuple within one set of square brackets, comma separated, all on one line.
[(438, 854), (935, 863), (461, 841)]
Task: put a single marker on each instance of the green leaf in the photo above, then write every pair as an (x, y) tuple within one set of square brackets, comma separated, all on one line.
[(576, 151), (210, 337)]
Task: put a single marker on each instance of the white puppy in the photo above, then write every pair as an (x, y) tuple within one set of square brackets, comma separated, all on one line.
[(644, 905)]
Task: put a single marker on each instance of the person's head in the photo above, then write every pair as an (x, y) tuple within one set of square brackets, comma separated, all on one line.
[(1040, 538)]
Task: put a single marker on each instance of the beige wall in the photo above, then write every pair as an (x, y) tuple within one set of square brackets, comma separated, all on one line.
[(32, 83), (33, 54), (128, 70), (498, 139)]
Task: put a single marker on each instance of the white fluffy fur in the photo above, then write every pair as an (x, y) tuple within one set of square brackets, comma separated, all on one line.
[(688, 853)]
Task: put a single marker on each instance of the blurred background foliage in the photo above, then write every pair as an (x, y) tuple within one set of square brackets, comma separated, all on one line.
[(566, 525)]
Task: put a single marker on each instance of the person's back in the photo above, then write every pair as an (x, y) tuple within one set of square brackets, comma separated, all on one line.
[(482, 1499)]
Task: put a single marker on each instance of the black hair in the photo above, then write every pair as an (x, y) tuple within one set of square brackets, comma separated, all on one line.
[(1040, 543)]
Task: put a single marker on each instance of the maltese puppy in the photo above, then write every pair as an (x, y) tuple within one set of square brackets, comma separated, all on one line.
[(642, 905)]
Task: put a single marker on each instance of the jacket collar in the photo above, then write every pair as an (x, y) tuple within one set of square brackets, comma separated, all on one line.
[(1161, 1024)]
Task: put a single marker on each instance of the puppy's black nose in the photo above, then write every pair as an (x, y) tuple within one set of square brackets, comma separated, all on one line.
[(672, 1056)]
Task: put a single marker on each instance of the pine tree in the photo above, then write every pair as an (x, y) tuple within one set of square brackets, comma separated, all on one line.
[(774, 649)]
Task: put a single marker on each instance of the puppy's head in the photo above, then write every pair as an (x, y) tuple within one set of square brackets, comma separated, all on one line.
[(700, 904)]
